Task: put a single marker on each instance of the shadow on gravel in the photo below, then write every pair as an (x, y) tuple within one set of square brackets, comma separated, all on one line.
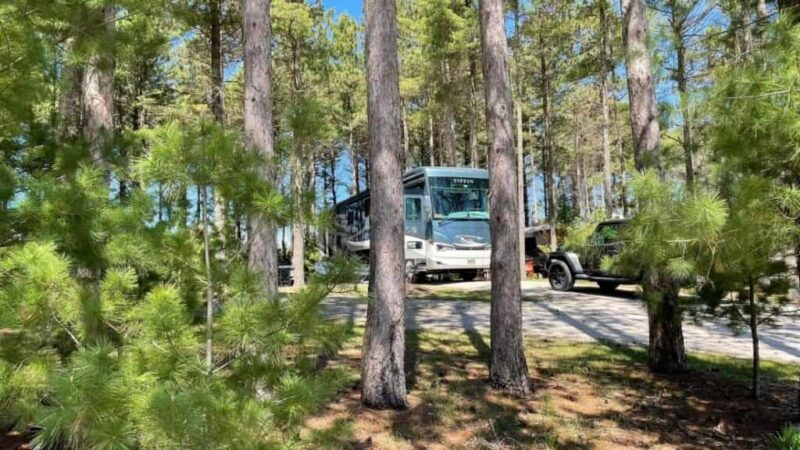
[(631, 295)]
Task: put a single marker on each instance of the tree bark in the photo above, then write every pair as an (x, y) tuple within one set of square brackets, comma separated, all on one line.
[(552, 206), (534, 195), (257, 35), (298, 184), (666, 351), (608, 179), (448, 121), (473, 113), (578, 172), (683, 92), (404, 157), (761, 7), (217, 100), (520, 185), (70, 102), (641, 86), (298, 181), (508, 369), (430, 141), (217, 86), (209, 286), (383, 366), (623, 182), (756, 390), (98, 97), (665, 318)]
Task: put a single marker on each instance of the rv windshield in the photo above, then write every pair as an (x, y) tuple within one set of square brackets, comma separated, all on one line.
[(459, 198)]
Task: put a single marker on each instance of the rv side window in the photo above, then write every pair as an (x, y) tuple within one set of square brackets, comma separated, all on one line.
[(413, 209)]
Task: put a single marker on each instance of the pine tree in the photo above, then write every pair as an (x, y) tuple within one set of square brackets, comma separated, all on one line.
[(383, 382), (508, 368), (749, 285), (258, 130), (641, 86), (672, 239)]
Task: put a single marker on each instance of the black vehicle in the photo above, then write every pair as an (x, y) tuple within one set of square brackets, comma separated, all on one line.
[(565, 267)]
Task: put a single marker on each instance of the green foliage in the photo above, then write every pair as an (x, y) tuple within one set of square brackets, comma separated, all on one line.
[(756, 128), (674, 236), (787, 439), (579, 233), (672, 232), (138, 380), (756, 234)]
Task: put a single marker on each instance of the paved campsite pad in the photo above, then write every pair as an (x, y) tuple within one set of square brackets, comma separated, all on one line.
[(586, 395), (586, 315)]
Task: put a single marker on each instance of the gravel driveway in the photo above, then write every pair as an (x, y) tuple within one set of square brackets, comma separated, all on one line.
[(585, 314)]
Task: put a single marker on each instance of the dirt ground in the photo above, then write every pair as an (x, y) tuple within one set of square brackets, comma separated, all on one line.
[(586, 396), (13, 440)]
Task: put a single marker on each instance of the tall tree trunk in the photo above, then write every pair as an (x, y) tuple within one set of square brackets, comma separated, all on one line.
[(448, 138), (406, 153), (751, 297), (70, 103), (684, 99), (508, 369), (217, 86), (217, 100), (98, 96), (608, 193), (552, 207), (578, 173), (448, 121), (666, 351), (520, 184), (383, 371), (298, 181), (431, 151), (534, 194), (332, 180), (209, 287), (641, 86), (518, 137), (623, 181), (298, 184), (257, 35), (355, 183), (473, 113), (763, 13)]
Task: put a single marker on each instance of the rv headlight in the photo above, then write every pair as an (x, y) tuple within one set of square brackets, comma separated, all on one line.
[(444, 247), (414, 244)]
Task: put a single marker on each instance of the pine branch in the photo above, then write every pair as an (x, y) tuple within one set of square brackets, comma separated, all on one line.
[(67, 330)]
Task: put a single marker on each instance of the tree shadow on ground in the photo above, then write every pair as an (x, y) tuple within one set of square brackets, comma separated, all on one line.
[(585, 396)]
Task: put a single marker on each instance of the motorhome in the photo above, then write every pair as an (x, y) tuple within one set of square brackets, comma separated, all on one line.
[(446, 211)]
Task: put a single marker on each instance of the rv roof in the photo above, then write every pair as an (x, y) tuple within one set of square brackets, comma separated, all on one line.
[(429, 171), (447, 172)]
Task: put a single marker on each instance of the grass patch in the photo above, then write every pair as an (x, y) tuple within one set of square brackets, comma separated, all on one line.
[(587, 395)]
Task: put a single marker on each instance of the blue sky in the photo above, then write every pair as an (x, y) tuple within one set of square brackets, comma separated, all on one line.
[(350, 7)]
